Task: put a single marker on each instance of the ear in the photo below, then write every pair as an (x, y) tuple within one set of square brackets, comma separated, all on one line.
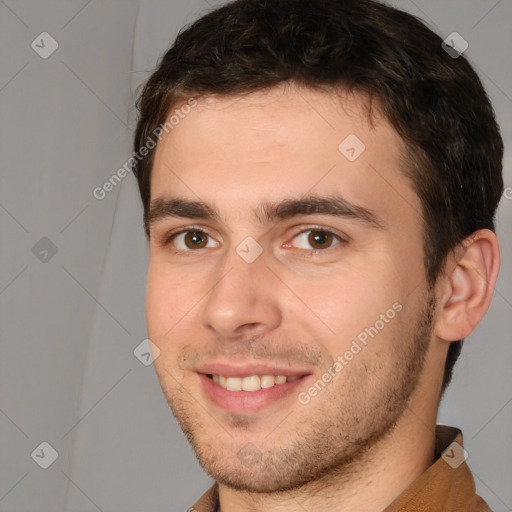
[(467, 285)]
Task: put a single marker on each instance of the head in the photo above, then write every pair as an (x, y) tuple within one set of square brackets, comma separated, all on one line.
[(268, 96)]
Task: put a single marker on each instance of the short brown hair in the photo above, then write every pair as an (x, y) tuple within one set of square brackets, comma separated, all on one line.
[(435, 102)]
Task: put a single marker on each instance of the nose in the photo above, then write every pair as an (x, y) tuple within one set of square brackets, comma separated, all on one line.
[(244, 299)]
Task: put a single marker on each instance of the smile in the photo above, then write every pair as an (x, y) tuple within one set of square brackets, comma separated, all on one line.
[(248, 394), (251, 382)]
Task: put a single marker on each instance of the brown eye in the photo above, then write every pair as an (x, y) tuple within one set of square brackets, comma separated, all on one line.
[(195, 239), (320, 239), (316, 239), (189, 240)]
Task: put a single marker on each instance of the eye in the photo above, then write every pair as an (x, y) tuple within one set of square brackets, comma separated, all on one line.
[(187, 241), (318, 239), (190, 240)]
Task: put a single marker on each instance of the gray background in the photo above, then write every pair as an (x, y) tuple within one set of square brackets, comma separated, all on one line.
[(70, 321)]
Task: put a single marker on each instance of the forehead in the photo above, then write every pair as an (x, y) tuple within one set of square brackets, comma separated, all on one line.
[(239, 151)]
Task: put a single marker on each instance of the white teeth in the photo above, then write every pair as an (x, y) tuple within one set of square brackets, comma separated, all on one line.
[(251, 382), (267, 381), (234, 384)]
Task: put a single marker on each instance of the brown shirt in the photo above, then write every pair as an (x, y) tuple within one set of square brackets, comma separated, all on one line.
[(446, 486)]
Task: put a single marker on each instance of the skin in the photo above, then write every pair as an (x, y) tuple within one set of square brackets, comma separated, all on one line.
[(367, 435)]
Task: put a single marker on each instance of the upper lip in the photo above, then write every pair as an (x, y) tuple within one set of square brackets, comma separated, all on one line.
[(230, 370)]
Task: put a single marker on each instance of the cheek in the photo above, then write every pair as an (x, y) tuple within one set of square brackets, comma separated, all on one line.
[(155, 300), (161, 301), (347, 300), (161, 318), (171, 295), (351, 300)]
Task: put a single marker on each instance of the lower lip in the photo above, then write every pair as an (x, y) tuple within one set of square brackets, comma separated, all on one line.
[(237, 402)]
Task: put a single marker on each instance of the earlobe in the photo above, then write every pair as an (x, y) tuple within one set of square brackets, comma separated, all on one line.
[(468, 287)]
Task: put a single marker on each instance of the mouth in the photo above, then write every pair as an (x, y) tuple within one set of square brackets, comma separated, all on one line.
[(239, 393), (252, 382)]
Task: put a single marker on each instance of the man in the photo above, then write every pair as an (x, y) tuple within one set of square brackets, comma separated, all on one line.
[(320, 214)]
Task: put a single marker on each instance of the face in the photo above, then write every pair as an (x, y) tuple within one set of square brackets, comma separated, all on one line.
[(286, 289)]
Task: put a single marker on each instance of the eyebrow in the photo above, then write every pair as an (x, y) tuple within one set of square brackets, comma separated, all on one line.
[(267, 212)]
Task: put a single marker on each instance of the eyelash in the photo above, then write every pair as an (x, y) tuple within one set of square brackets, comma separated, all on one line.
[(173, 234)]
